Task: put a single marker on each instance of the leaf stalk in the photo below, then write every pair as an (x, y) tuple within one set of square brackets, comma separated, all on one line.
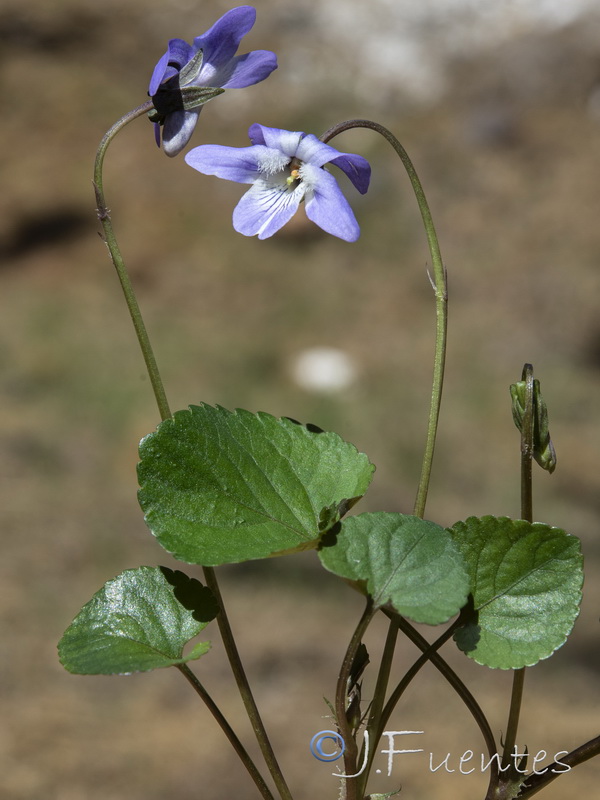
[(228, 731)]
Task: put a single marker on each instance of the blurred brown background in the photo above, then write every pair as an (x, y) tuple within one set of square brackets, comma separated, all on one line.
[(499, 106)]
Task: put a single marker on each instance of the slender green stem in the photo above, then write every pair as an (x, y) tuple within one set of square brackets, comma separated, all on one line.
[(514, 713), (467, 698), (439, 284), (383, 677), (416, 667), (527, 430), (244, 688), (228, 730), (117, 259), (459, 687), (345, 729), (165, 413), (535, 783), (379, 718)]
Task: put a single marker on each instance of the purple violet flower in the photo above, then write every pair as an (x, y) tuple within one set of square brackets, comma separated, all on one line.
[(209, 62), (285, 167)]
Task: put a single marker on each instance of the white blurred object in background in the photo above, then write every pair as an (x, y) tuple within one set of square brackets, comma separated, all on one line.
[(324, 369)]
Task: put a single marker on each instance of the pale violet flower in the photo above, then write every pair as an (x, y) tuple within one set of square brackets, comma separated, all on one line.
[(284, 168), (210, 61)]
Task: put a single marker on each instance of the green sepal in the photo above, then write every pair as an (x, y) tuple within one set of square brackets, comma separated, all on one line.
[(185, 98), (191, 70), (196, 96), (139, 621), (176, 94)]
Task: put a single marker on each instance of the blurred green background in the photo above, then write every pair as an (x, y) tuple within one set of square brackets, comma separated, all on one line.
[(499, 106)]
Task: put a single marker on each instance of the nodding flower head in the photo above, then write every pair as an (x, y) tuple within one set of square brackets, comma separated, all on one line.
[(187, 76), (285, 168)]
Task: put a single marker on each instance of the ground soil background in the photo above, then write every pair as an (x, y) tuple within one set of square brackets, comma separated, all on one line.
[(507, 141)]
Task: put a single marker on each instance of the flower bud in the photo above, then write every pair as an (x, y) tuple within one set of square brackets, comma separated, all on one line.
[(543, 449)]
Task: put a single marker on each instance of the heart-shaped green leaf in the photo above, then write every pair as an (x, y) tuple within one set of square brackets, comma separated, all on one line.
[(526, 581), (405, 561), (219, 487), (139, 621)]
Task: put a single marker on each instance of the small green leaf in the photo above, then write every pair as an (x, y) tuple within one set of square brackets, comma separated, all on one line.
[(405, 561), (526, 582), (138, 621), (219, 487)]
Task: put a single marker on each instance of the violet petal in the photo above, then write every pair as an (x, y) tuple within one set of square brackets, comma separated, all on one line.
[(220, 43), (313, 151), (265, 208), (178, 129), (247, 70), (327, 207), (356, 168), (286, 142), (179, 53), (239, 164)]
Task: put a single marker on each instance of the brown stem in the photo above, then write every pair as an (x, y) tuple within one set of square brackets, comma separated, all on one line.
[(535, 783)]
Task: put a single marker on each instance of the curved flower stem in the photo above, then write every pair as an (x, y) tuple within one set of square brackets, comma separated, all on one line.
[(117, 259), (165, 413), (229, 732), (439, 284)]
